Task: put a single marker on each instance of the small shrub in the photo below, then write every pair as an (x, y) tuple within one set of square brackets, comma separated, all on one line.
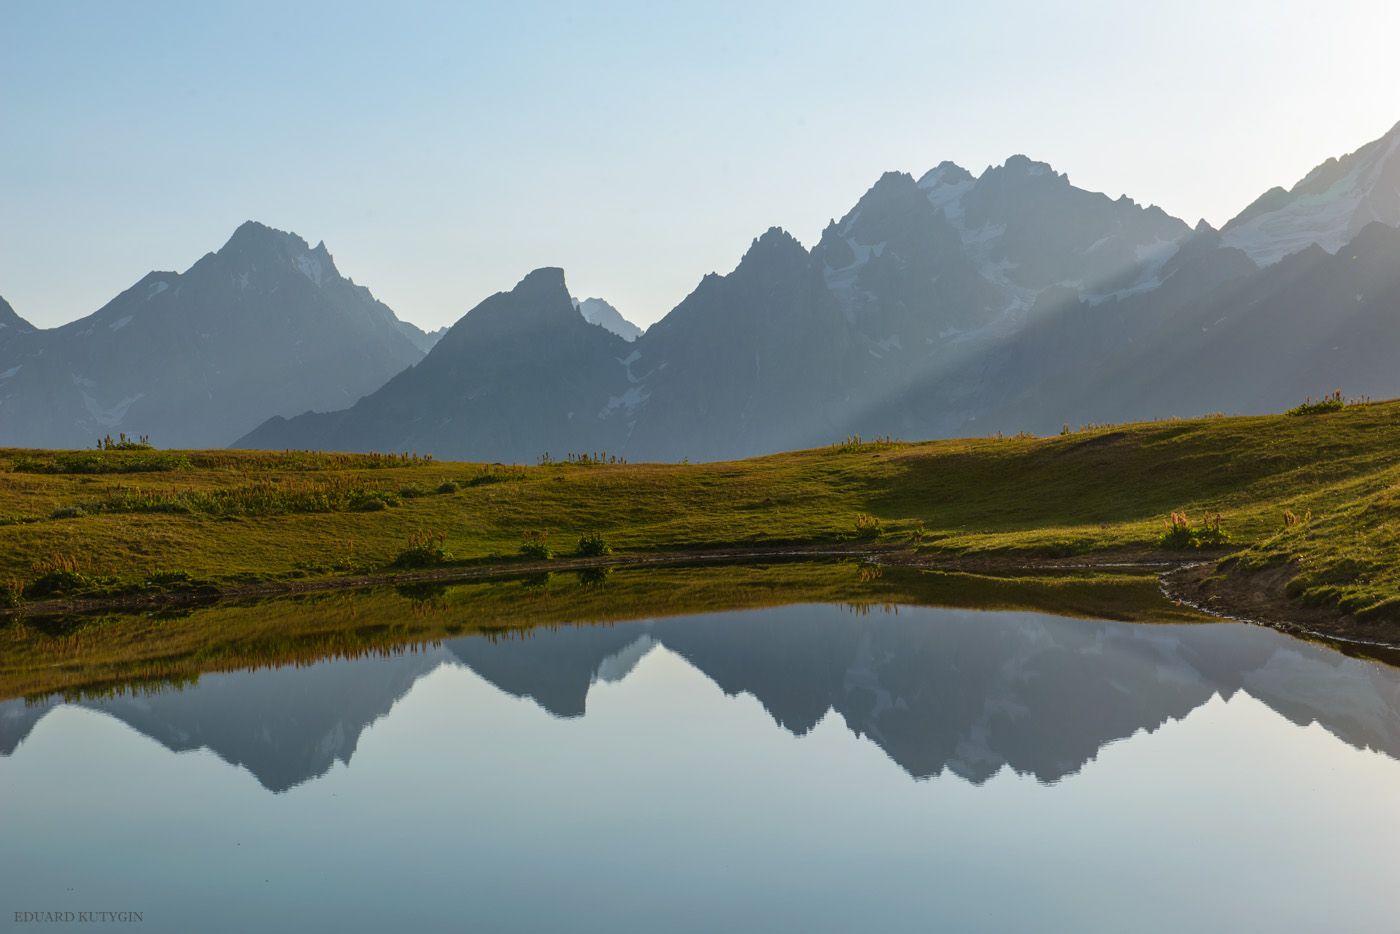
[(372, 500), (422, 592), (413, 492), (56, 583), (536, 546), (424, 550), (869, 573), (489, 475), (594, 577), (174, 579), (10, 595), (1332, 402), (1181, 535), (1291, 518), (123, 443), (68, 512), (867, 526), (448, 487), (56, 576), (592, 544), (854, 444)]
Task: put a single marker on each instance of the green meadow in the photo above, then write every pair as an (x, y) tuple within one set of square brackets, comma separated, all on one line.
[(1316, 493)]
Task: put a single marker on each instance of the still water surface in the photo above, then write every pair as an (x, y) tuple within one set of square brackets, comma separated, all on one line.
[(804, 768)]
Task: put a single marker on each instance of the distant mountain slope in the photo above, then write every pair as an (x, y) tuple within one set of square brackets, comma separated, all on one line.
[(423, 340), (596, 311), (265, 325), (760, 359), (1329, 207), (521, 374), (11, 323)]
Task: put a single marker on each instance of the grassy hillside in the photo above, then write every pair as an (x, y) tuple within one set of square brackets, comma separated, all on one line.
[(107, 520)]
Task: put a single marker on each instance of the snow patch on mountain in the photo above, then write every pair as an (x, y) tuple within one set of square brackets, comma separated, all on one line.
[(110, 416), (310, 267), (1322, 209), (628, 401), (843, 280)]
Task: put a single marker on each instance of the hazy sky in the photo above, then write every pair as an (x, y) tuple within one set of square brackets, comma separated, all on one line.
[(444, 150)]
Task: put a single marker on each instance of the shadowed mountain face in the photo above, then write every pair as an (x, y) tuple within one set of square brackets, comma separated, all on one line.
[(196, 359), (949, 305), (938, 690), (520, 369)]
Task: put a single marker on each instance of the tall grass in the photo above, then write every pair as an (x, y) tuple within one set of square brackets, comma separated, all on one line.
[(117, 460), (262, 498)]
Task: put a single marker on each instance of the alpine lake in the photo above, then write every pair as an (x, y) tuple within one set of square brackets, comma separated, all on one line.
[(804, 747)]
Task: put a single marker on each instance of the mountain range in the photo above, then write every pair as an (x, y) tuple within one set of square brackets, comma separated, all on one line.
[(947, 304)]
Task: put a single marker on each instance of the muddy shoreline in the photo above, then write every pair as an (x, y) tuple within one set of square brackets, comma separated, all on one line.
[(1261, 598)]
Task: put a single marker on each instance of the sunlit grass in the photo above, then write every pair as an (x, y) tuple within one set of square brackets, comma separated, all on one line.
[(226, 516)]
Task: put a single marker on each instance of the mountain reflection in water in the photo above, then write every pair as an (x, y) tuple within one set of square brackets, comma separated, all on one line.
[(937, 690)]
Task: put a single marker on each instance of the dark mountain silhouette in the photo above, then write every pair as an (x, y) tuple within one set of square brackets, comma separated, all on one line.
[(195, 359)]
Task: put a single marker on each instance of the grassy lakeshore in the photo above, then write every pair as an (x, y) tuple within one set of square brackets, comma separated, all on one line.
[(93, 654), (1309, 503)]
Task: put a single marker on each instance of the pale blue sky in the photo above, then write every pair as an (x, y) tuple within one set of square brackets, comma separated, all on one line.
[(442, 150)]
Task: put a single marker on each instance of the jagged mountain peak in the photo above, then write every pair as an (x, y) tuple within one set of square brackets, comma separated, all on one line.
[(254, 243), (1019, 167), (892, 195), (252, 233), (774, 244), (893, 181), (945, 173), (890, 186)]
